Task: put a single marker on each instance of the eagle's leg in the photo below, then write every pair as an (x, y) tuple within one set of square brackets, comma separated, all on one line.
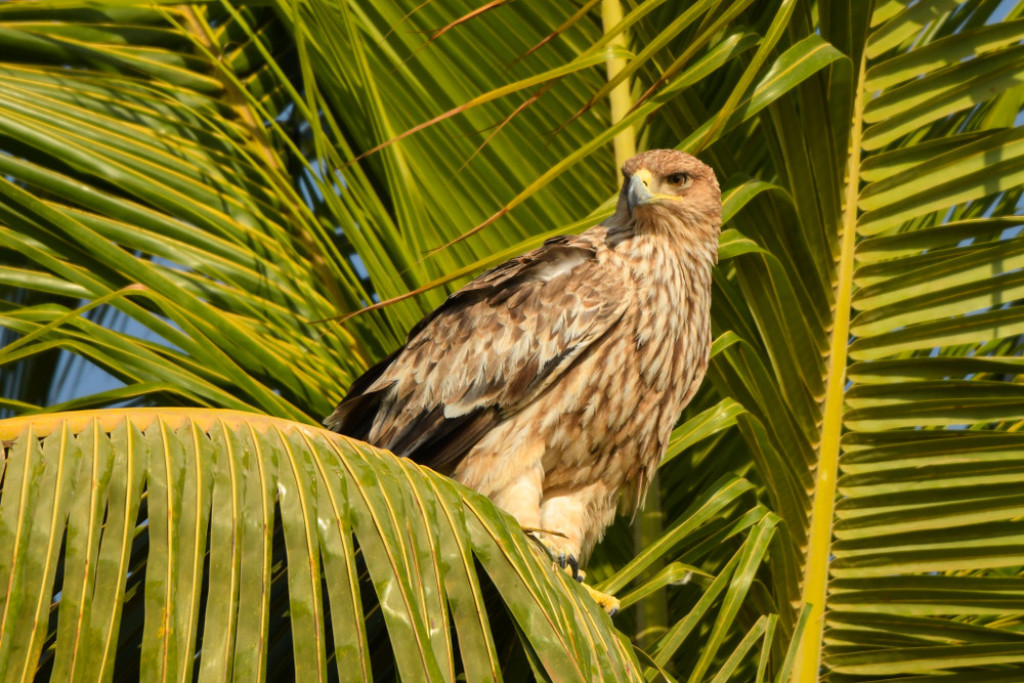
[(520, 492), (571, 523)]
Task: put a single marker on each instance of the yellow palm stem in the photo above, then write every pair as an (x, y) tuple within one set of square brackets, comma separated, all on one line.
[(820, 539)]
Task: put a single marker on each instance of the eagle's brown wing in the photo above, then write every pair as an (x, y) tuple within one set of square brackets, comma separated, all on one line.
[(487, 352)]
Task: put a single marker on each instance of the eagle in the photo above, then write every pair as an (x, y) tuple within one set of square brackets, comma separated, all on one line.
[(551, 383)]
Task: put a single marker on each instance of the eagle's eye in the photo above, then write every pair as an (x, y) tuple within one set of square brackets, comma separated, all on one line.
[(677, 179)]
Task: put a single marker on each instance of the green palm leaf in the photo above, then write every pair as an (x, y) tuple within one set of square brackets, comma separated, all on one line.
[(212, 498)]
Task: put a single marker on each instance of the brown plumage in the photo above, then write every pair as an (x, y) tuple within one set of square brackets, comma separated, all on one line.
[(552, 382)]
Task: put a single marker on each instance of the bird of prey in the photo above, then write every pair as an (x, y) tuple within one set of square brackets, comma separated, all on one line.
[(551, 383)]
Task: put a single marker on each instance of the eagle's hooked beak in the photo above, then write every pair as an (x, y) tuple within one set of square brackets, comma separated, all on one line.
[(638, 192)]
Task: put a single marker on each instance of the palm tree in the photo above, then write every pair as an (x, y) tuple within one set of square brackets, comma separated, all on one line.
[(190, 196)]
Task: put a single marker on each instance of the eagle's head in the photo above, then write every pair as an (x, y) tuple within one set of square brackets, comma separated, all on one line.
[(665, 189)]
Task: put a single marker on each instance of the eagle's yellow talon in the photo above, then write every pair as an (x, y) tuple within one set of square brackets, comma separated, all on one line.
[(609, 603), (575, 572)]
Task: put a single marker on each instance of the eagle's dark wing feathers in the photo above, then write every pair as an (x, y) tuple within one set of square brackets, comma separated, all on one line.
[(489, 350)]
